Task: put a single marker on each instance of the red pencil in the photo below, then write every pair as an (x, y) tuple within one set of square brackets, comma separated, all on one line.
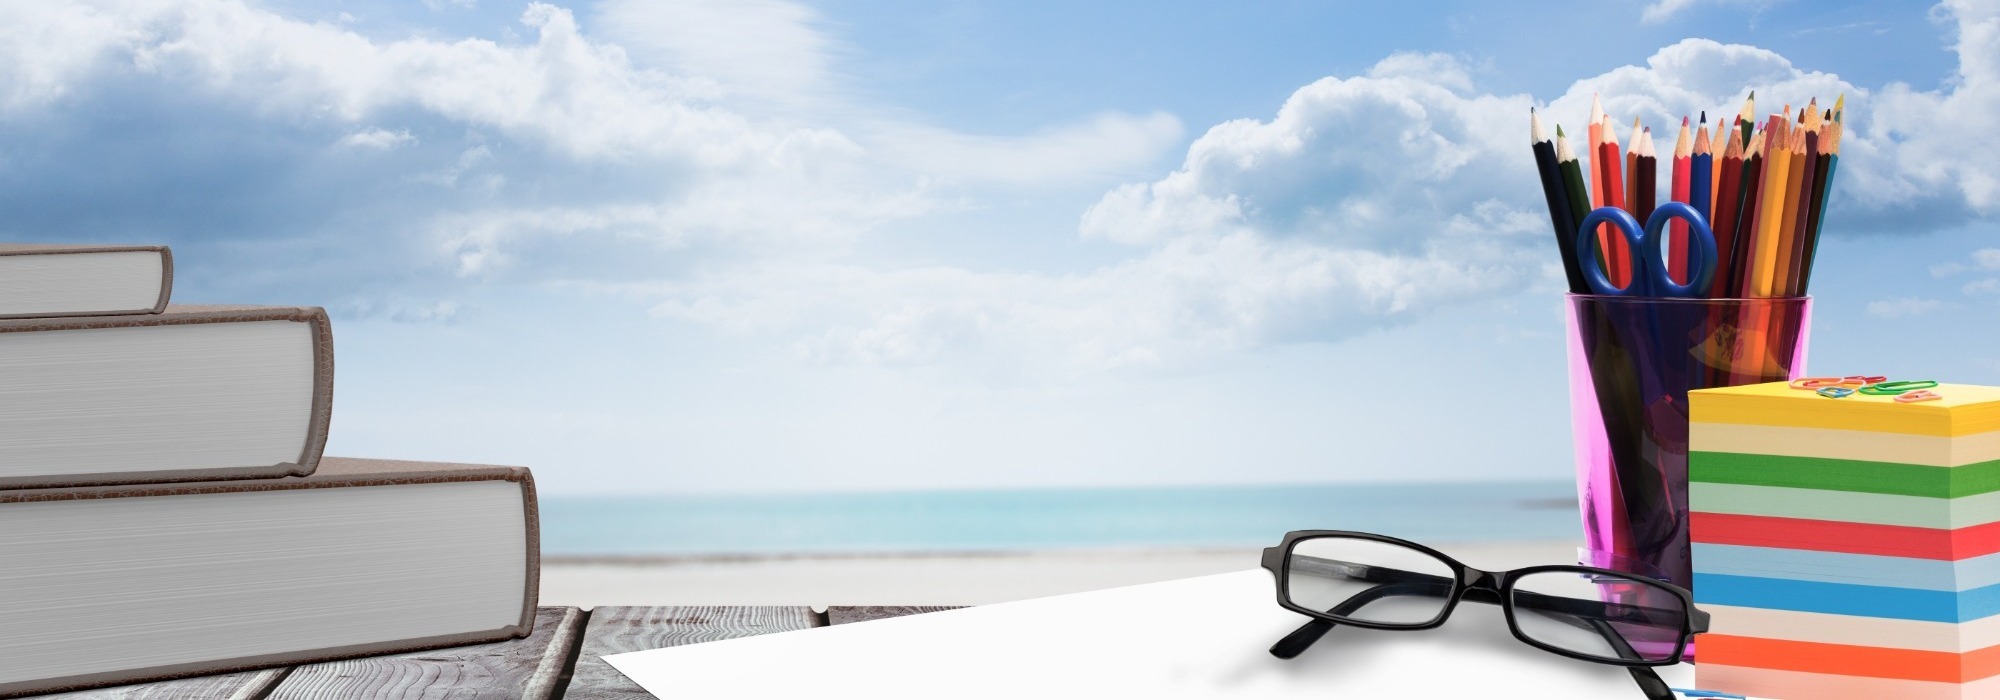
[(1728, 200), (1677, 240), (1611, 181)]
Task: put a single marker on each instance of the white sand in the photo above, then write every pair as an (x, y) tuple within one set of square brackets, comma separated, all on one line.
[(944, 579)]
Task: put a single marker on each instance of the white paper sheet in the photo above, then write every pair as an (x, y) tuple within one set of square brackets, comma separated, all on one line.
[(1201, 637)]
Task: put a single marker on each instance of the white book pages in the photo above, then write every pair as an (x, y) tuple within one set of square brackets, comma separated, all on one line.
[(104, 585), (79, 283), (155, 398), (1203, 637)]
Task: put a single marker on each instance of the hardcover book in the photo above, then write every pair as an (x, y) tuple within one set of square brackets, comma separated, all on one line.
[(192, 393), (109, 585), (41, 280)]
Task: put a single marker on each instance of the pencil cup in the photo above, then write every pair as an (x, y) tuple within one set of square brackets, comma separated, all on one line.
[(1632, 361)]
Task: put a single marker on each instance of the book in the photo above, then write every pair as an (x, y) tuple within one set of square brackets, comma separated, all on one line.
[(108, 585), (191, 393), (1847, 547), (39, 280)]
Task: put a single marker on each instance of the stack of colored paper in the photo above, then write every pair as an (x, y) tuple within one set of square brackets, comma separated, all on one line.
[(1846, 547)]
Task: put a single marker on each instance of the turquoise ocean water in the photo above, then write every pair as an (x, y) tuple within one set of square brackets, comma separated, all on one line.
[(1016, 520)]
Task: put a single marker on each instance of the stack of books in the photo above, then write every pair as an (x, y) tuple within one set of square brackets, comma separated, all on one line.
[(165, 510), (1847, 547)]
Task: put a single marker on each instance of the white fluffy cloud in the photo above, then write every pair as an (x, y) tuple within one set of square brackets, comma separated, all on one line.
[(1363, 201), (378, 139)]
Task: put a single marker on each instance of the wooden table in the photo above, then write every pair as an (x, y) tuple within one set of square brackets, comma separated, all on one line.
[(560, 660)]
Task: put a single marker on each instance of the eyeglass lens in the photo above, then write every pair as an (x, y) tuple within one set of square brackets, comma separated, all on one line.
[(1368, 580), (1605, 617)]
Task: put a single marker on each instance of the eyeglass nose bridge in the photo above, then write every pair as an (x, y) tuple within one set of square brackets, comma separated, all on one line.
[(1480, 585)]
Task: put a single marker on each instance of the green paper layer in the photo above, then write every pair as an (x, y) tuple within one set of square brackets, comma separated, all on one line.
[(1844, 474)]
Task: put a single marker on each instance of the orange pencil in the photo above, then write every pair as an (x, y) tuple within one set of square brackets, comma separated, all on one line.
[(1771, 212), (1795, 187)]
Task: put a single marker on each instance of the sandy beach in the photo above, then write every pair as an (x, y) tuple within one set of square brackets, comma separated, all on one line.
[(924, 579)]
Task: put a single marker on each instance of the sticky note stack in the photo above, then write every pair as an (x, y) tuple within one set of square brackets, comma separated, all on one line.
[(1846, 547)]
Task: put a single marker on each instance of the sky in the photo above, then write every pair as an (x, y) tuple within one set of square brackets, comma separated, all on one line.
[(690, 246)]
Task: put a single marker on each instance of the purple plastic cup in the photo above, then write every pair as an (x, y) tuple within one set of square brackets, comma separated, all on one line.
[(1632, 361)]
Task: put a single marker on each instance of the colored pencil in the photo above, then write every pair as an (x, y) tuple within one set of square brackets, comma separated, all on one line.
[(1645, 190), (1771, 211), (1678, 191), (1701, 166), (1747, 119), (1746, 215), (1804, 204), (1632, 169), (1593, 163), (1831, 147), (1728, 199), (1554, 191), (1795, 187), (1716, 147), (1611, 179), (1573, 183)]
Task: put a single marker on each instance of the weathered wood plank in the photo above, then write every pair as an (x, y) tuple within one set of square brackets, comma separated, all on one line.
[(843, 614), (228, 686), (616, 630), (528, 668)]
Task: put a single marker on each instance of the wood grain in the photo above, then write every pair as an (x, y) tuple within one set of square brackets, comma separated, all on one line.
[(616, 630), (529, 668), (844, 614), (229, 686)]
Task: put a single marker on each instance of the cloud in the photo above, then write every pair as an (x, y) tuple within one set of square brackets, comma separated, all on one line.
[(378, 139), (717, 164), (1903, 307), (445, 312), (1661, 10), (772, 51)]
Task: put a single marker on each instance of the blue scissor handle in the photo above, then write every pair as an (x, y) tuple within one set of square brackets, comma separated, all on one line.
[(1649, 271)]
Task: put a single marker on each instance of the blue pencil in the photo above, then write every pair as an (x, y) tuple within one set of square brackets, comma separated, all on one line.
[(1700, 171)]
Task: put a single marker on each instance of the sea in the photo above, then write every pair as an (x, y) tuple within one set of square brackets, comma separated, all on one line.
[(918, 522)]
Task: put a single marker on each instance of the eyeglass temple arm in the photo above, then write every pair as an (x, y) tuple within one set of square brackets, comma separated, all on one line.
[(1649, 681), (1296, 642), (1300, 639)]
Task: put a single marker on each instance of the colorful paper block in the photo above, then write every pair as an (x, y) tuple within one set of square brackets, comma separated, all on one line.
[(1849, 547)]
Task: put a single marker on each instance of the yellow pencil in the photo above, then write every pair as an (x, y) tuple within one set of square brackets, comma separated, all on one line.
[(1770, 211)]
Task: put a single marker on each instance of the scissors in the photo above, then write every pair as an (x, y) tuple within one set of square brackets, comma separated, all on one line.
[(1650, 277)]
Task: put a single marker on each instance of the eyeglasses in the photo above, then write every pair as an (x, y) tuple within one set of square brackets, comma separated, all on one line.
[(1587, 613)]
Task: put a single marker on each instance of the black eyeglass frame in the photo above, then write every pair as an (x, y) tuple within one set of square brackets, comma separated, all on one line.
[(1493, 587)]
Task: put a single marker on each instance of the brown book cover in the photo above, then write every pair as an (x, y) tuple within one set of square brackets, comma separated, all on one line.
[(334, 472), (166, 272), (182, 314)]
